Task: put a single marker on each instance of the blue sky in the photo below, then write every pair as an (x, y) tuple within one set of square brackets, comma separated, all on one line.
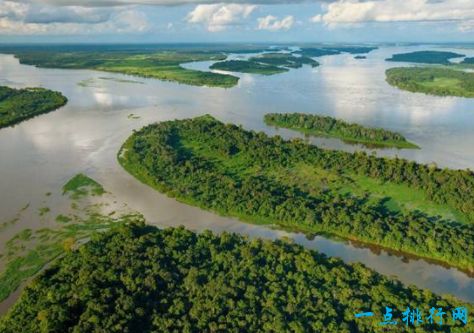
[(155, 21)]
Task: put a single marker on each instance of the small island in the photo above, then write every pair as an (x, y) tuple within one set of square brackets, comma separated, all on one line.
[(327, 50), (426, 57), (300, 187), (331, 127), (468, 61), (248, 67), (439, 81), (265, 64), (138, 278), (17, 105)]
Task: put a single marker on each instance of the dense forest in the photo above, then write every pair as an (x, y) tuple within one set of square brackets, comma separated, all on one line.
[(432, 80), (246, 174), (17, 105), (328, 126), (162, 65), (266, 64), (142, 279), (426, 57)]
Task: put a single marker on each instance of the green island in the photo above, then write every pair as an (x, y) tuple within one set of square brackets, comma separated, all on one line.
[(438, 81), (17, 105), (331, 127), (249, 67), (468, 61), (393, 203), (426, 57), (138, 278), (265, 64), (326, 51), (162, 65)]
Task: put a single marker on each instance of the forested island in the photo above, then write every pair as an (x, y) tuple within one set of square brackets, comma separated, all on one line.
[(266, 64), (141, 279), (249, 67), (162, 65), (432, 80), (426, 57), (331, 127), (328, 50), (469, 61), (262, 179), (17, 105)]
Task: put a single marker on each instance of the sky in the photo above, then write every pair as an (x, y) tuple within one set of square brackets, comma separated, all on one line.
[(176, 21)]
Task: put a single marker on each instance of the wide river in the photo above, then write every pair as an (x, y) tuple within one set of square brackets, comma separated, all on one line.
[(41, 154)]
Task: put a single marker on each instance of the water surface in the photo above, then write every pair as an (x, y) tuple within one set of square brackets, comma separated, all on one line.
[(41, 154)]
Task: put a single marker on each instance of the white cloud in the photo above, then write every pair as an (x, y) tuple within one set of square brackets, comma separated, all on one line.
[(272, 23), (99, 3), (466, 26), (356, 11), (30, 19), (72, 14), (218, 17)]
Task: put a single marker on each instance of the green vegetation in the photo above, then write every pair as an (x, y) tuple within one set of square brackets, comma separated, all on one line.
[(327, 126), (162, 65), (266, 64), (141, 279), (17, 105), (426, 57), (234, 172), (432, 80), (27, 252), (325, 51), (286, 60), (81, 185), (133, 116), (250, 67), (63, 218), (43, 211), (468, 61)]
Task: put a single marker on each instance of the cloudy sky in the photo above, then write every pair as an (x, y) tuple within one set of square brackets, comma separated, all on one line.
[(236, 20)]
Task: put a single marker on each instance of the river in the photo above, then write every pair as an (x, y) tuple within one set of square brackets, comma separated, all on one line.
[(41, 154)]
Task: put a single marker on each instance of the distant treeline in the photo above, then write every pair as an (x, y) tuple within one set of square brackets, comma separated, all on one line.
[(325, 51), (324, 125), (426, 57), (223, 168), (17, 105), (142, 279)]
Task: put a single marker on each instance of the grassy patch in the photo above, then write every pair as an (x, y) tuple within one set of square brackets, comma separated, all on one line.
[(43, 211), (81, 185), (63, 218)]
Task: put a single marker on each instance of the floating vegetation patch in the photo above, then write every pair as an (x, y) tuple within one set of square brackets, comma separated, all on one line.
[(81, 185)]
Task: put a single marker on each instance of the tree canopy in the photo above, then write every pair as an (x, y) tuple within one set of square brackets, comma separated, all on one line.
[(142, 279), (17, 105), (241, 173)]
